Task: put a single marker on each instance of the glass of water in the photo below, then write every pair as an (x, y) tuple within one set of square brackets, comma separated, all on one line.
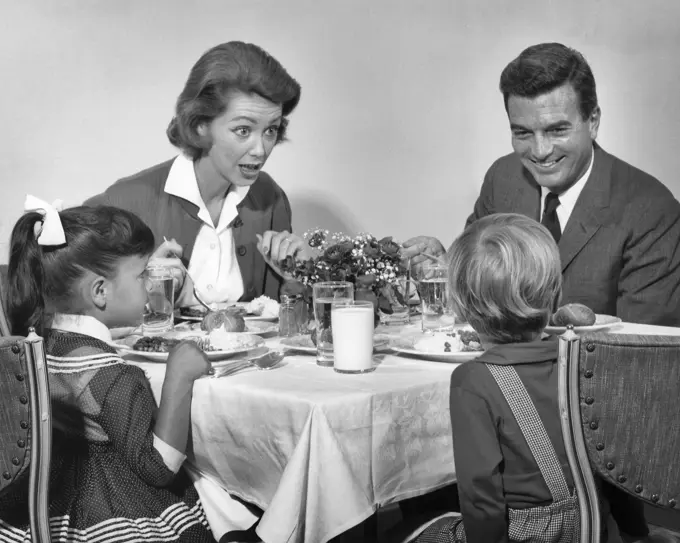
[(399, 295), (325, 294), (437, 311), (160, 305)]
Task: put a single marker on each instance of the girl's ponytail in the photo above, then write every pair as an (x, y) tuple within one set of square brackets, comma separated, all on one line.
[(44, 272), (26, 297)]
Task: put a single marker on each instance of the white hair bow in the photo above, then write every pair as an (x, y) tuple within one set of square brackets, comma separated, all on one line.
[(51, 232)]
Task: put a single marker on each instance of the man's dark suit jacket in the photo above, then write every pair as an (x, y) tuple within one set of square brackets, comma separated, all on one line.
[(620, 248), (266, 207)]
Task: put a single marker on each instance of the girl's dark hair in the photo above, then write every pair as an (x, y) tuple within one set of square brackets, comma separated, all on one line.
[(230, 66), (42, 279), (542, 68)]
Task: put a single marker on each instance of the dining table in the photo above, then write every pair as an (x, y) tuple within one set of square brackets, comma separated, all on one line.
[(318, 451)]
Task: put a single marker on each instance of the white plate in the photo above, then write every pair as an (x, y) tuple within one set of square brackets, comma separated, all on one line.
[(261, 328), (119, 333), (246, 317), (304, 343), (407, 345), (242, 343), (601, 322)]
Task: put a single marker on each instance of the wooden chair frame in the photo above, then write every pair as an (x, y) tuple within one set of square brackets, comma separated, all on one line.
[(572, 432), (41, 430)]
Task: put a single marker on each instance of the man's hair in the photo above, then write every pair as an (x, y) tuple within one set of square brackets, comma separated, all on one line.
[(541, 68)]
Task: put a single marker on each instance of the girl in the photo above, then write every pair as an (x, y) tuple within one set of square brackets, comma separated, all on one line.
[(514, 480), (116, 459)]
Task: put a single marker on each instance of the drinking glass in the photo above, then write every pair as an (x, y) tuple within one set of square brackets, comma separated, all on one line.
[(399, 295), (437, 311), (159, 311), (352, 330), (324, 294)]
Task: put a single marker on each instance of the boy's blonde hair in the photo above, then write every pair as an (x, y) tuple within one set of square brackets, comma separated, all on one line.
[(505, 276)]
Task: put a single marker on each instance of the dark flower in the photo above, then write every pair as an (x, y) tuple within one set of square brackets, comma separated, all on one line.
[(371, 252), (317, 239), (347, 246), (336, 253), (288, 264), (338, 274), (366, 281), (389, 247)]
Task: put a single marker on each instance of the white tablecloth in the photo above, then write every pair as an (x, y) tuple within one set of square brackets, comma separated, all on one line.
[(320, 451)]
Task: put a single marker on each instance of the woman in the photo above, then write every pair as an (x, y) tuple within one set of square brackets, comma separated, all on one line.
[(213, 205)]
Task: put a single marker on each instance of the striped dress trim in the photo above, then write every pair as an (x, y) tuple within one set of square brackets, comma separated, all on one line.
[(74, 364), (167, 527)]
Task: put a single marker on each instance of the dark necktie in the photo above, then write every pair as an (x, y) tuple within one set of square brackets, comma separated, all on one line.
[(550, 219)]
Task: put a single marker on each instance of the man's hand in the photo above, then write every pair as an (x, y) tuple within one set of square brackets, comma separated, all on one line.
[(416, 249)]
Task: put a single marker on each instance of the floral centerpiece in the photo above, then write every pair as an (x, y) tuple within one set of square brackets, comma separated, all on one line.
[(373, 265)]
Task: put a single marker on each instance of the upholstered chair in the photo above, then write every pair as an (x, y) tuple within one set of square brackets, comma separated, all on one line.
[(620, 406), (26, 427)]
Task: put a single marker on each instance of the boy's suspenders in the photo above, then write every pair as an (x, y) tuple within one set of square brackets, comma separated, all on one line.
[(532, 427)]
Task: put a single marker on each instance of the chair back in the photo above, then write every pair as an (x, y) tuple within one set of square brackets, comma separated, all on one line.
[(621, 417), (26, 426), (631, 414), (5, 329), (574, 443)]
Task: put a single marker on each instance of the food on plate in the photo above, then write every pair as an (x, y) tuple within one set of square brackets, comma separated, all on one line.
[(454, 342), (155, 344), (225, 320), (574, 314), (192, 311), (327, 335), (263, 306), (470, 340), (218, 340), (227, 341), (160, 344), (198, 311)]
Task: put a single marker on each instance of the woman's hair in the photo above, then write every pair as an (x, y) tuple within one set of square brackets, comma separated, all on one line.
[(42, 279), (542, 68), (232, 66), (505, 277)]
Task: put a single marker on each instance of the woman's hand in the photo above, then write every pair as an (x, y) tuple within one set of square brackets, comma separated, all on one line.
[(168, 255), (277, 246)]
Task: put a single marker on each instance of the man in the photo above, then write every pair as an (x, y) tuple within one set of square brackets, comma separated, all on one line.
[(617, 228)]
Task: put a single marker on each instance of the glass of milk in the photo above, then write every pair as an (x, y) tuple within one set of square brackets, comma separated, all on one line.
[(352, 328)]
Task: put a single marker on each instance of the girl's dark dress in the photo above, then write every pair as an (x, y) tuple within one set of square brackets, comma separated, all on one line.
[(108, 483)]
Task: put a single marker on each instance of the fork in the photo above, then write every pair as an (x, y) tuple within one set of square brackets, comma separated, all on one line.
[(209, 307), (264, 362)]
